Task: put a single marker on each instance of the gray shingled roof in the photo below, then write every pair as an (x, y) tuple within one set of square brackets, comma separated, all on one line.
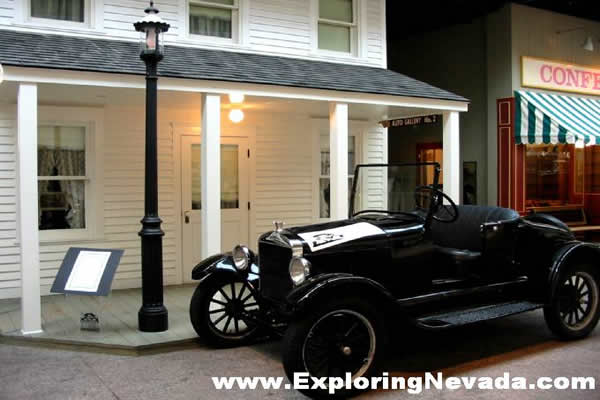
[(102, 55)]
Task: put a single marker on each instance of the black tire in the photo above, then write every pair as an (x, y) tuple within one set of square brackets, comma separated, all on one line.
[(300, 338), (575, 309), (223, 328)]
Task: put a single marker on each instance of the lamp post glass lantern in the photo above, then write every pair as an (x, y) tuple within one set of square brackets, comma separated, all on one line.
[(153, 315)]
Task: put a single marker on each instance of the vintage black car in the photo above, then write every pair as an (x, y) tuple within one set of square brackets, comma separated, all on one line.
[(407, 254)]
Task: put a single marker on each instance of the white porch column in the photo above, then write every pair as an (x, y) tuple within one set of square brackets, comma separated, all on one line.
[(338, 159), (27, 215), (211, 175), (451, 167)]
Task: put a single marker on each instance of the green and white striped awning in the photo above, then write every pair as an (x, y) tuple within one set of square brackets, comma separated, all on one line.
[(550, 118)]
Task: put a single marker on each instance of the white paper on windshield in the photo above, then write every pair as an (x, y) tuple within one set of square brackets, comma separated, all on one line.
[(320, 240), (87, 271)]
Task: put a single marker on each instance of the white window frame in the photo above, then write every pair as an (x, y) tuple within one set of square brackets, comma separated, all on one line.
[(92, 121), (88, 17), (321, 128), (236, 21), (354, 30)]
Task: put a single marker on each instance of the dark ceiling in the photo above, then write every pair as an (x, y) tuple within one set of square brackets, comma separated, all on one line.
[(411, 18)]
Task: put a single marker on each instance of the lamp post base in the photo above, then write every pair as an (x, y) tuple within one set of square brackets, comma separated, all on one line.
[(153, 319)]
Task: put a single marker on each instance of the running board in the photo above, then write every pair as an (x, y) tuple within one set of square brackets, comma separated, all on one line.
[(470, 316), (447, 294)]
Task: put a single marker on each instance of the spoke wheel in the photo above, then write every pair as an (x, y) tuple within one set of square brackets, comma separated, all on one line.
[(335, 337), (578, 300), (575, 309), (227, 308), (340, 342), (219, 311)]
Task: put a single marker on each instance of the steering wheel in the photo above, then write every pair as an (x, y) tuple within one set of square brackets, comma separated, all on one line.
[(441, 213)]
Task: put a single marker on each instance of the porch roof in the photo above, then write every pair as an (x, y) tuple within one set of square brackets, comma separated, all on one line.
[(35, 50)]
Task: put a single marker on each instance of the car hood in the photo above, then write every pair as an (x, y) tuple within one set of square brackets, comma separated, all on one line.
[(350, 233)]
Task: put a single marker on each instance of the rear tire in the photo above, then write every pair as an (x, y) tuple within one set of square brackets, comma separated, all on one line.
[(340, 336), (215, 311), (575, 309)]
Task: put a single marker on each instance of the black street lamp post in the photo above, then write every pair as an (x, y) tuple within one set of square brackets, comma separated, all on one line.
[(153, 315)]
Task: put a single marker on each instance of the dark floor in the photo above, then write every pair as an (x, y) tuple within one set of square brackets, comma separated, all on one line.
[(520, 345)]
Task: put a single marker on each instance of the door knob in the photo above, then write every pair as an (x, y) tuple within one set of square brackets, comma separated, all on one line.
[(186, 216)]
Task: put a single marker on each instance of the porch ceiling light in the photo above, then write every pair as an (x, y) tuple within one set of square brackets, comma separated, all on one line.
[(236, 98), (236, 115), (152, 28)]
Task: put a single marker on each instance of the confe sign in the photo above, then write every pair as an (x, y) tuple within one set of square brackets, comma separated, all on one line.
[(546, 74)]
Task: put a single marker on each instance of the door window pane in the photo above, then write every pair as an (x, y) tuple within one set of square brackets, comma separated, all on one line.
[(336, 10), (230, 191), (211, 21), (64, 10), (62, 177)]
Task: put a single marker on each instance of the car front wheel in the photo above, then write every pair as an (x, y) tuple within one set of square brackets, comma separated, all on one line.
[(575, 310), (342, 338), (218, 311)]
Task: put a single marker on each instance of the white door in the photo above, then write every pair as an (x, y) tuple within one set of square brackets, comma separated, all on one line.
[(234, 197)]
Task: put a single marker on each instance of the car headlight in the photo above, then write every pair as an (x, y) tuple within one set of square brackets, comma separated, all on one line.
[(299, 270), (242, 257)]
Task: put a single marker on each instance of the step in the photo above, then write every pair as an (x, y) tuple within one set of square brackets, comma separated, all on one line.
[(477, 314)]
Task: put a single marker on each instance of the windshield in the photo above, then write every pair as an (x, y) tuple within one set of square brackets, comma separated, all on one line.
[(394, 188)]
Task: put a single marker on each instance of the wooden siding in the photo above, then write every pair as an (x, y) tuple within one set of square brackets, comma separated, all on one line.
[(375, 31), (10, 267), (7, 11), (284, 179), (375, 152), (280, 26), (119, 16)]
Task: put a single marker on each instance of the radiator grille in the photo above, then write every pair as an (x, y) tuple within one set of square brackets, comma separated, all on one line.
[(275, 282)]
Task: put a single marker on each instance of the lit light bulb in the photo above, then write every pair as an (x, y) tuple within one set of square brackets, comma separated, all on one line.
[(236, 115), (236, 98)]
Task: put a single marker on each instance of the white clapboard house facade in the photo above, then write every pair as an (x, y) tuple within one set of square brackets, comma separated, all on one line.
[(314, 77)]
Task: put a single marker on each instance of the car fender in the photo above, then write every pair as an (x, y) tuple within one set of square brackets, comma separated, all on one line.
[(568, 254), (222, 265), (305, 295)]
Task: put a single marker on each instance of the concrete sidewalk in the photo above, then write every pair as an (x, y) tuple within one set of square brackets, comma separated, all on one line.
[(520, 345)]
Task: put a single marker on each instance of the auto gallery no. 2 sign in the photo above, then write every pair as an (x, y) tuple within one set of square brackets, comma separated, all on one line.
[(553, 75)]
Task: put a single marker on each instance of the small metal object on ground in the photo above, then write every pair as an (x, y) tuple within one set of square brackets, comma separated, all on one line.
[(90, 322)]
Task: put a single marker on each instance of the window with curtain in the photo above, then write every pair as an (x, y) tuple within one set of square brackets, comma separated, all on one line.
[(64, 10), (61, 177), (324, 180), (213, 18), (336, 24)]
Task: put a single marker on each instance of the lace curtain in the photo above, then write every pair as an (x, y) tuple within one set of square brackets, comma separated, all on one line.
[(210, 21), (59, 162), (66, 10)]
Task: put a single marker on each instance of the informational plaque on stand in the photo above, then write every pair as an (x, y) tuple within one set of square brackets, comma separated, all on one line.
[(87, 272)]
